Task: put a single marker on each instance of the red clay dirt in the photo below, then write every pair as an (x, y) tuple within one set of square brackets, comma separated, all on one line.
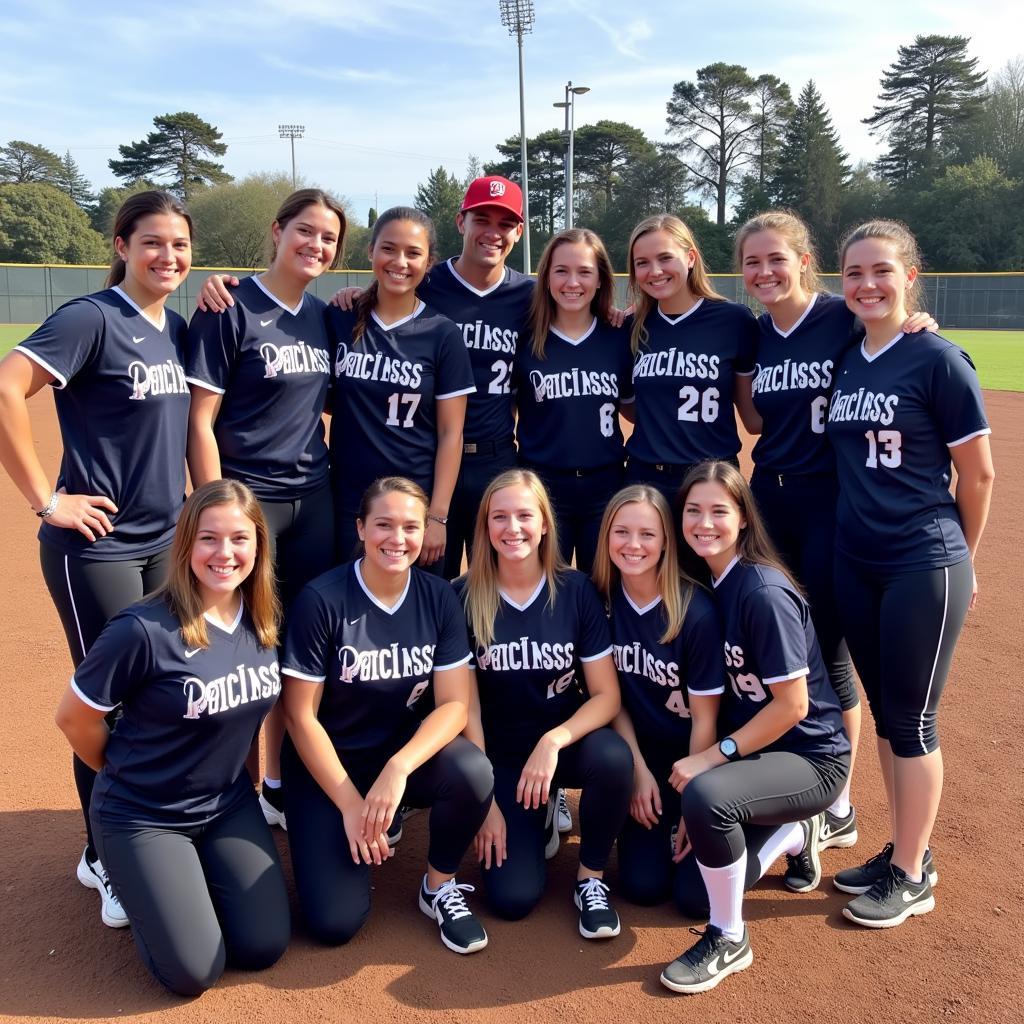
[(960, 963)]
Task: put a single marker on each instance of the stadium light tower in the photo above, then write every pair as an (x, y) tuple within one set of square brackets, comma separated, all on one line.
[(517, 16), (293, 132), (571, 92)]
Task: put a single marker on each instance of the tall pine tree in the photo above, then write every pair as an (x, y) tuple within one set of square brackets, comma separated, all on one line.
[(440, 196), (72, 182)]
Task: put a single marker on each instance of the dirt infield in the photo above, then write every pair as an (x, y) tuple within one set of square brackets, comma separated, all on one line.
[(960, 963)]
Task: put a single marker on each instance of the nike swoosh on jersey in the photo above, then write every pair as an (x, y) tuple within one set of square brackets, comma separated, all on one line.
[(266, 323), (189, 654), (137, 340)]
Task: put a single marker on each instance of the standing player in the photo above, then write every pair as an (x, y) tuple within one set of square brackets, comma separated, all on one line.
[(259, 375), (784, 755), (694, 357), (545, 690), (176, 820), (114, 359), (401, 377), (901, 409), (367, 642), (570, 384)]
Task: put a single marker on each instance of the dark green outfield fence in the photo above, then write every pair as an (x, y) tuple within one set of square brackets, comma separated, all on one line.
[(28, 294)]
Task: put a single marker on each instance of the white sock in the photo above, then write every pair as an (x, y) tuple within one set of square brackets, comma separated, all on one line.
[(841, 806), (785, 839), (725, 894), (271, 783)]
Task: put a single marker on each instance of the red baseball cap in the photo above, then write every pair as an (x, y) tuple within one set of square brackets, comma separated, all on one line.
[(494, 191)]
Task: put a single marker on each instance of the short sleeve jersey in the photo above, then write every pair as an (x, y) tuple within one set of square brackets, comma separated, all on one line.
[(568, 402), (385, 390), (530, 676), (122, 402), (657, 677), (491, 323), (769, 639), (683, 378), (272, 364), (376, 663), (190, 715), (892, 419), (792, 382)]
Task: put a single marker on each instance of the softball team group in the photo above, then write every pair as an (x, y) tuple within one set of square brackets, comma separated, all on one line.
[(691, 676)]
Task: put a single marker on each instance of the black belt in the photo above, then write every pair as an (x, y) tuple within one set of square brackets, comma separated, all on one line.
[(485, 447)]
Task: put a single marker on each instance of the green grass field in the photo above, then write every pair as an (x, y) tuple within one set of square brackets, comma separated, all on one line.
[(999, 355)]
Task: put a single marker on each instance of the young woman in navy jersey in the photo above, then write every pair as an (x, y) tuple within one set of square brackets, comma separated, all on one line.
[(570, 383), (545, 690), (902, 408), (177, 823), (401, 377), (668, 653), (370, 644), (114, 359), (694, 357), (259, 374), (783, 755)]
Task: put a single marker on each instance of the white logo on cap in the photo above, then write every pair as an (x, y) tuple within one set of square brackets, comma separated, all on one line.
[(497, 188)]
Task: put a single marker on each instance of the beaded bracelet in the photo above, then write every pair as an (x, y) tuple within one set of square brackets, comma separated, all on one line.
[(50, 507)]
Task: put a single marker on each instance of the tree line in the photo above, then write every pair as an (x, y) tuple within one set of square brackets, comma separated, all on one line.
[(952, 168)]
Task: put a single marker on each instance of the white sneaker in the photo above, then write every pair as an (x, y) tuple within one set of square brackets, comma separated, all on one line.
[(93, 875), (564, 815), (272, 814)]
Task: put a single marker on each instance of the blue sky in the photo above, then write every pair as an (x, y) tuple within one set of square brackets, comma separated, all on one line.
[(388, 89)]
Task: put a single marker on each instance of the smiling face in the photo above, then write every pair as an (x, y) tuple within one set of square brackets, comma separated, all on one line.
[(661, 267), (306, 245), (515, 525), (636, 542), (875, 283), (573, 276), (772, 269), (488, 234), (400, 257), (223, 553), (157, 254), (392, 533), (712, 522)]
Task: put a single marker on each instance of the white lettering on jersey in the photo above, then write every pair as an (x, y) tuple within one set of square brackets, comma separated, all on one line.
[(377, 366), (299, 358), (635, 659), (491, 339), (674, 363), (394, 662), (789, 376), (573, 383), (166, 378), (525, 654), (230, 691), (868, 406)]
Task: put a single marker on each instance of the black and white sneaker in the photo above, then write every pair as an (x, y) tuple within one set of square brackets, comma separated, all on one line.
[(272, 806), (460, 930), (564, 814), (859, 879), (803, 870), (836, 831), (710, 959), (551, 837), (598, 919), (93, 875), (891, 900), (395, 828)]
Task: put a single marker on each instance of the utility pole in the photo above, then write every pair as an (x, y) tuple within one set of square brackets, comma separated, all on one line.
[(293, 132)]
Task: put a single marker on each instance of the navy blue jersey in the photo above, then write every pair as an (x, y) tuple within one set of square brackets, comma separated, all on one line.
[(769, 639), (122, 403), (569, 401), (190, 715), (530, 677), (376, 663), (892, 419), (385, 390), (655, 677), (792, 381), (272, 364), (491, 323), (684, 378)]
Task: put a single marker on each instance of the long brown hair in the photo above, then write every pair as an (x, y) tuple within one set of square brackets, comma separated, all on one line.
[(481, 595), (543, 306), (674, 585), (299, 201), (132, 210), (181, 591), (697, 281), (907, 252), (754, 546), (795, 233)]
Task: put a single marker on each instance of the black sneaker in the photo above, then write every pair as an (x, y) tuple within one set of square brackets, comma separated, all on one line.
[(272, 806), (460, 930), (859, 879), (710, 959), (891, 900), (836, 831), (598, 919), (395, 828), (803, 870), (564, 814)]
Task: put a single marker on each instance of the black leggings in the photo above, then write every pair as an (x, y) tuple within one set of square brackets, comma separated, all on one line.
[(771, 788), (602, 766), (799, 511), (902, 628), (87, 595), (199, 898), (334, 893)]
